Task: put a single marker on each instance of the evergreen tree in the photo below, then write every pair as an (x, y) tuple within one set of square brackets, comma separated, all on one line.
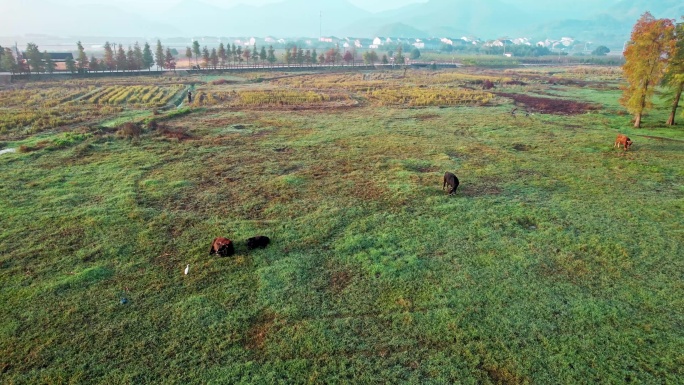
[(314, 57), (415, 54), (169, 60), (121, 60), (109, 57), (307, 57), (255, 55), (233, 52), (263, 55), (49, 64), (196, 49), (159, 56), (214, 58), (70, 64), (222, 55), (130, 59), (646, 57), (82, 59), (321, 58), (288, 57), (300, 56), (385, 60), (271, 55), (239, 52), (148, 59), (205, 57), (93, 64), (139, 56), (34, 57)]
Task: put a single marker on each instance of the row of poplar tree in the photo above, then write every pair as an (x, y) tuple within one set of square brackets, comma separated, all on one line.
[(654, 57), (115, 59), (137, 58)]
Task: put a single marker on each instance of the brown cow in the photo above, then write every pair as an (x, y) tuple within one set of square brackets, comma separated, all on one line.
[(222, 246), (451, 180), (622, 140)]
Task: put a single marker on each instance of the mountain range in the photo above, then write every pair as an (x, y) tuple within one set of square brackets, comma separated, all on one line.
[(604, 22)]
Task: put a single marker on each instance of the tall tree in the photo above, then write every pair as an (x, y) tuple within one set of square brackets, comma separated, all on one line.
[(82, 59), (300, 56), (206, 58), (674, 76), (130, 59), (222, 55), (233, 52), (321, 58), (271, 55), (263, 55), (239, 53), (139, 56), (188, 54), (148, 59), (399, 58), (121, 60), (214, 58), (307, 57), (9, 62), (288, 56), (255, 54), (93, 64), (169, 60), (2, 54), (646, 57), (70, 64), (48, 63), (159, 56), (196, 49), (34, 57), (314, 57), (348, 57), (246, 54), (109, 57)]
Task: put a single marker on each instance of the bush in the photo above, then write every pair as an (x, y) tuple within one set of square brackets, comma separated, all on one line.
[(129, 130)]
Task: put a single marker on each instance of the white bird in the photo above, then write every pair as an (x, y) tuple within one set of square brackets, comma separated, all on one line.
[(187, 268)]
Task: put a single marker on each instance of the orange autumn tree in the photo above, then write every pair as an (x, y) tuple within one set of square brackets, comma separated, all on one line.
[(646, 59), (674, 77)]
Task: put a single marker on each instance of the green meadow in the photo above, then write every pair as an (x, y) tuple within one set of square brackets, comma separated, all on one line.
[(559, 260)]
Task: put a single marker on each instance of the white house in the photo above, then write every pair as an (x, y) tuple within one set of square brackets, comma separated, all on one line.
[(378, 41), (447, 41), (419, 44)]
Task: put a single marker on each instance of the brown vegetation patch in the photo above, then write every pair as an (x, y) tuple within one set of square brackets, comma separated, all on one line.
[(550, 106), (339, 281), (522, 147), (129, 130), (177, 133), (501, 375), (426, 116), (564, 266), (38, 146), (259, 331)]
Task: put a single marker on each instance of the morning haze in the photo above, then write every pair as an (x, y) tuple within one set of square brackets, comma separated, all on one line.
[(607, 21)]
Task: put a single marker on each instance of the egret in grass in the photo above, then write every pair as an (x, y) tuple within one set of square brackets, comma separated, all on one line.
[(187, 268)]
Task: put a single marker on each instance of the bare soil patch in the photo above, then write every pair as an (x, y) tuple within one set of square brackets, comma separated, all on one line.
[(550, 106)]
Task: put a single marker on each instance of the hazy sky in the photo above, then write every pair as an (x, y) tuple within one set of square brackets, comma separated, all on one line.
[(370, 5)]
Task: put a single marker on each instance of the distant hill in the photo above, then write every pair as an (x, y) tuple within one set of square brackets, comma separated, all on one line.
[(43, 17), (400, 30), (604, 22)]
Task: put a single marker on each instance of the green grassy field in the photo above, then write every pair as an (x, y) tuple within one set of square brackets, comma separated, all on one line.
[(560, 260)]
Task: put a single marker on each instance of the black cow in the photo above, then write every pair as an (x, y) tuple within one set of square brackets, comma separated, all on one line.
[(451, 180), (258, 241)]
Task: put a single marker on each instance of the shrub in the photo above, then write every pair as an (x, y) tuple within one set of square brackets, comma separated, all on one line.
[(129, 130)]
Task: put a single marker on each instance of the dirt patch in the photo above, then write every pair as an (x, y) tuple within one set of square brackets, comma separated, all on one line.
[(550, 106), (522, 147)]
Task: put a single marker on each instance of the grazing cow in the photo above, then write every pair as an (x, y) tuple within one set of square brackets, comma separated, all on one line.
[(258, 241), (222, 246), (622, 140), (451, 180)]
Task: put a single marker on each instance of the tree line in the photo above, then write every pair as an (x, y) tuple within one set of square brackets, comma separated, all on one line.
[(654, 57)]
